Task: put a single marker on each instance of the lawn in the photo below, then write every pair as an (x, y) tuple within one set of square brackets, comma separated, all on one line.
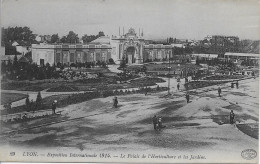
[(249, 129), (11, 97)]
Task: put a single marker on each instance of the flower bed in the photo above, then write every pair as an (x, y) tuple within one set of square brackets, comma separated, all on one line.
[(146, 81)]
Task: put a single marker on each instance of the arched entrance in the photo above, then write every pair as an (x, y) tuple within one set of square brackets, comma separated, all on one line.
[(130, 52)]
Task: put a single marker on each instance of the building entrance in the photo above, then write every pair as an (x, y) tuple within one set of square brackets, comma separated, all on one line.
[(130, 52)]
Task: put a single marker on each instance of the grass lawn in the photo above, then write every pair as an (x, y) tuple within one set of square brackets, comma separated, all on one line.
[(249, 129), (11, 97)]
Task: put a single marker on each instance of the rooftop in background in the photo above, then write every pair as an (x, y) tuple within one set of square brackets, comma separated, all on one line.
[(242, 54), (206, 55), (101, 40)]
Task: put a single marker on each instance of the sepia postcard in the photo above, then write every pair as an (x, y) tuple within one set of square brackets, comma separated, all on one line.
[(130, 81)]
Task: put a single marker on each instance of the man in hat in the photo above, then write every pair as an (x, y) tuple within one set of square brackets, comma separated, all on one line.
[(237, 84), (53, 106), (178, 86), (187, 97), (155, 122), (115, 102), (232, 117), (219, 91)]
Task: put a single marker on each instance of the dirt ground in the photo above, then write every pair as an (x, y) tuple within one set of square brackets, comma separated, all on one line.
[(198, 127)]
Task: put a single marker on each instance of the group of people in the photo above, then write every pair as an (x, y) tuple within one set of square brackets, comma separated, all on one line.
[(157, 123)]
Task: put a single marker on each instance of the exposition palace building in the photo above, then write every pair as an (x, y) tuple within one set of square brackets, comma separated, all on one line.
[(129, 47)]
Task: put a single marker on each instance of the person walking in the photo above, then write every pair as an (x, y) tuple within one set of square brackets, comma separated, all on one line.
[(155, 122), (53, 106), (232, 85), (219, 91), (159, 123), (232, 117), (187, 97), (178, 86), (237, 84), (115, 102)]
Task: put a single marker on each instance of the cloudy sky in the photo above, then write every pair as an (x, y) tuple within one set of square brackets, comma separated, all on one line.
[(185, 19)]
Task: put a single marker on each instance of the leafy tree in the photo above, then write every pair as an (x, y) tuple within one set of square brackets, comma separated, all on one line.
[(72, 37), (39, 101), (87, 39), (63, 39), (27, 103), (3, 67), (197, 61), (101, 33), (15, 64), (12, 34), (111, 61), (55, 38)]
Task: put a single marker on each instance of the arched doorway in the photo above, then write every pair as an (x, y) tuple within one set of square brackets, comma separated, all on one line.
[(130, 52)]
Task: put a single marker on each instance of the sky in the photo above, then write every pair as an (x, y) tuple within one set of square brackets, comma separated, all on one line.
[(159, 19)]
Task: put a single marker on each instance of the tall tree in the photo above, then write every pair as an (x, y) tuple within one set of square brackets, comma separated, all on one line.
[(55, 38), (11, 34), (63, 39), (39, 101), (72, 37), (101, 33), (88, 38)]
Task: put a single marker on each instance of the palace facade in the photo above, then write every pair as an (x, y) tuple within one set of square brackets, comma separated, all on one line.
[(129, 47)]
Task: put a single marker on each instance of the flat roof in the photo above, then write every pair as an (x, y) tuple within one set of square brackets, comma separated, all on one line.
[(206, 55), (242, 54)]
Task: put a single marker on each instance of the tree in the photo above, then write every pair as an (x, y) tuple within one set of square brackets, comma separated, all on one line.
[(111, 61), (55, 38), (27, 103), (63, 39), (72, 37), (87, 39), (123, 65), (3, 67), (39, 101), (101, 33), (15, 64), (12, 34)]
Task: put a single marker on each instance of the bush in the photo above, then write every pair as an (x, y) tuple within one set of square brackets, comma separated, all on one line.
[(108, 93), (121, 92), (73, 65), (111, 61)]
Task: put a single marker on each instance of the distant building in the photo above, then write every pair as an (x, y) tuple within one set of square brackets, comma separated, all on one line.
[(128, 47), (22, 47), (239, 57)]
